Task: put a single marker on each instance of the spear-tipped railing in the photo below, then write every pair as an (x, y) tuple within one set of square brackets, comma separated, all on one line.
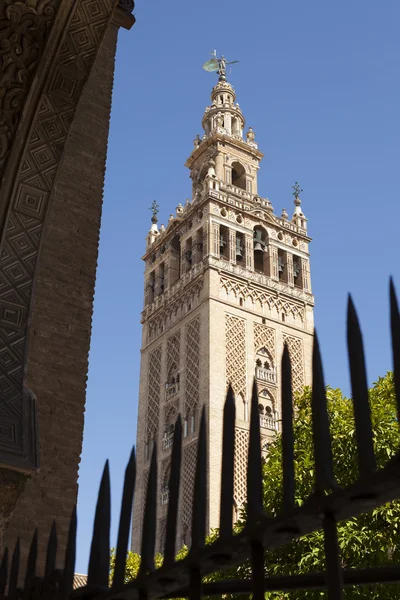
[(328, 504)]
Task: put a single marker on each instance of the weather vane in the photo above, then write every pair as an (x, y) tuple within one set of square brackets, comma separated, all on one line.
[(296, 189), (218, 64), (155, 209)]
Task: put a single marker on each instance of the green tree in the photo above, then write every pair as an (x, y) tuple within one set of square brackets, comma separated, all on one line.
[(370, 540)]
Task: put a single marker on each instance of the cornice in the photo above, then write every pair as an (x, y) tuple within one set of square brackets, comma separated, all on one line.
[(223, 138)]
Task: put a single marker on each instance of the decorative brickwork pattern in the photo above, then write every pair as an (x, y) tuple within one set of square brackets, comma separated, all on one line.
[(171, 411), (192, 365), (241, 450), (173, 352), (264, 337), (235, 334), (32, 191), (239, 289), (295, 346), (189, 470), (144, 488), (153, 410), (24, 27)]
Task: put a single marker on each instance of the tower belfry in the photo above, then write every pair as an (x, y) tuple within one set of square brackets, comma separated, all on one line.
[(227, 283)]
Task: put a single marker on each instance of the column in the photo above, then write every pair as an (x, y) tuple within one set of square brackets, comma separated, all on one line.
[(249, 252), (289, 267), (219, 166), (305, 275), (215, 242), (274, 262), (232, 246)]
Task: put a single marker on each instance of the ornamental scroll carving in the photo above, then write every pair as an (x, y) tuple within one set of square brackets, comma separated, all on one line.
[(23, 29)]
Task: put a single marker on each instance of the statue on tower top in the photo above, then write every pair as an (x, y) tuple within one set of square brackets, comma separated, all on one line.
[(219, 65)]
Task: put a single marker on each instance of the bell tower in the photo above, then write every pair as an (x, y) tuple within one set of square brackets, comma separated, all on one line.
[(227, 283)]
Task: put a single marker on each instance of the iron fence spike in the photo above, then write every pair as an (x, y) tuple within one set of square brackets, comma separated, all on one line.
[(227, 469), (99, 561), (31, 564), (333, 563), (12, 587), (359, 386), (287, 431), (254, 463), (125, 521), (324, 477), (4, 573), (70, 556), (395, 331), (150, 518), (200, 489), (51, 552), (257, 568), (173, 488)]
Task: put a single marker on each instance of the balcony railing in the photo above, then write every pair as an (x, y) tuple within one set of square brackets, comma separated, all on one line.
[(165, 497), (268, 422), (265, 375)]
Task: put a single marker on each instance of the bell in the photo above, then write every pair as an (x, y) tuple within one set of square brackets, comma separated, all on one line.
[(239, 253), (258, 247)]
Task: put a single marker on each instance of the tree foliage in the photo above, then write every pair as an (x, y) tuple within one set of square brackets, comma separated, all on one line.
[(370, 540)]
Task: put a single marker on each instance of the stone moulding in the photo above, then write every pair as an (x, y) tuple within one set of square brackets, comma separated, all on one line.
[(31, 173)]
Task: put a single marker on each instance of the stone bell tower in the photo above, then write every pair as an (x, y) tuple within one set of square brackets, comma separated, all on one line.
[(227, 283)]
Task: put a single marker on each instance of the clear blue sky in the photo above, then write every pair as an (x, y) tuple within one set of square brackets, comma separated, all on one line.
[(319, 83)]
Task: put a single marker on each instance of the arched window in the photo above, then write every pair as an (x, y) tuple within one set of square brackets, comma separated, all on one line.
[(266, 410), (168, 438), (188, 255), (260, 247), (265, 369), (224, 242), (238, 175), (172, 384)]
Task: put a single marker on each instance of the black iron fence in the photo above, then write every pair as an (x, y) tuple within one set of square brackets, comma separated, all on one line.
[(327, 505)]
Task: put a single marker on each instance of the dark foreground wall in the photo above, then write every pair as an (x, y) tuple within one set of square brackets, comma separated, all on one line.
[(50, 210)]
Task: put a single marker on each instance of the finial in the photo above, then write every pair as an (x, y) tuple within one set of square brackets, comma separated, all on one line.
[(155, 209), (250, 135), (219, 65), (296, 192), (284, 214)]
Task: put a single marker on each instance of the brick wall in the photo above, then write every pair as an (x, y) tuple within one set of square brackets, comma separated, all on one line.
[(62, 313)]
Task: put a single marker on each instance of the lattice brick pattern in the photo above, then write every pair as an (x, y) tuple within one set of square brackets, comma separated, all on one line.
[(192, 364), (144, 488), (189, 470), (153, 407), (236, 354), (173, 351), (171, 411), (241, 449), (264, 336), (162, 532), (296, 356)]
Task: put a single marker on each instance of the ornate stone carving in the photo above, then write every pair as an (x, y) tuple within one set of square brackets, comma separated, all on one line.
[(295, 346), (126, 5), (189, 470), (235, 342), (241, 451), (192, 365), (153, 410), (25, 26), (264, 336), (237, 288)]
